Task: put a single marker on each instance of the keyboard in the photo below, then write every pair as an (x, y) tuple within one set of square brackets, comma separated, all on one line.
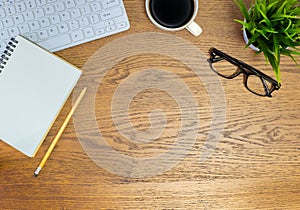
[(60, 24)]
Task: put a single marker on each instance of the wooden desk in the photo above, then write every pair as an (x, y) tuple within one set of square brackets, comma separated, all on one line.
[(256, 164)]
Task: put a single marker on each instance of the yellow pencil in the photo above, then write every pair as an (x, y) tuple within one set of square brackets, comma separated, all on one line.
[(61, 130)]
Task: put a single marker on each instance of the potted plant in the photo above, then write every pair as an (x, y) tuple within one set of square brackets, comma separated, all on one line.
[(273, 27)]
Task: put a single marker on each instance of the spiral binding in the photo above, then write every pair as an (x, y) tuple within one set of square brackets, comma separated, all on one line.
[(7, 53)]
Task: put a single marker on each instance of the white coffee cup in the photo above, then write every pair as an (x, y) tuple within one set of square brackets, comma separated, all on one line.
[(189, 24)]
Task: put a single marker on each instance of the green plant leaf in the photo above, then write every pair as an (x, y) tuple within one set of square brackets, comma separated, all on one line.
[(282, 7), (274, 27), (266, 19), (289, 25), (243, 9), (252, 39), (289, 36), (263, 33), (290, 52), (272, 7)]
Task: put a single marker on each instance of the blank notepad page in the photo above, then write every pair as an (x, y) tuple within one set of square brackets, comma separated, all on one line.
[(34, 85)]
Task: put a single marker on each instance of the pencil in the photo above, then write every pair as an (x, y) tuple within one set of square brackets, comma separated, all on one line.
[(58, 135)]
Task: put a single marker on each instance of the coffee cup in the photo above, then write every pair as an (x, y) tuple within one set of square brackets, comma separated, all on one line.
[(174, 15)]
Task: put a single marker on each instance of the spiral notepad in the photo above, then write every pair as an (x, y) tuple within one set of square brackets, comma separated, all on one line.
[(34, 85)]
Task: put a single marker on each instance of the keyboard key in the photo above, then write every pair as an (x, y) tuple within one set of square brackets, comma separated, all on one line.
[(88, 32), (109, 3), (30, 4), (111, 13), (20, 7), (59, 6), (65, 16), (10, 10), (83, 22), (63, 28), (75, 13), (4, 35), (121, 25), (55, 19), (80, 2), (53, 31), (34, 25), (2, 13), (39, 12), (96, 7), (24, 28), (14, 31), (8, 22), (85, 10), (43, 34), (49, 9), (41, 2), (109, 23), (110, 28), (100, 31), (94, 19), (44, 22), (73, 25), (56, 42), (70, 4), (33, 37), (8, 2), (77, 36), (18, 19), (28, 15)]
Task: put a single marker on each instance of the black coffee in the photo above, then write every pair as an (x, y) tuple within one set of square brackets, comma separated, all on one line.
[(172, 13)]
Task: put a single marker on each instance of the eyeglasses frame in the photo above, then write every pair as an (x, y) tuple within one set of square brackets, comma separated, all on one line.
[(244, 68)]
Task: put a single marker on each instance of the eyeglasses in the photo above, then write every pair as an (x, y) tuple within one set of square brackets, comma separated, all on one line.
[(254, 80)]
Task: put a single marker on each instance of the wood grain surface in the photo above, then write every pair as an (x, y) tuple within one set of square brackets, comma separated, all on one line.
[(255, 165)]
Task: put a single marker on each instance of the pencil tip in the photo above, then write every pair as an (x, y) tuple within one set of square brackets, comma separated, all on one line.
[(35, 175)]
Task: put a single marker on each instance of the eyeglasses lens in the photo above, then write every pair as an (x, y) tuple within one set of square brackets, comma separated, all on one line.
[(225, 68), (257, 85)]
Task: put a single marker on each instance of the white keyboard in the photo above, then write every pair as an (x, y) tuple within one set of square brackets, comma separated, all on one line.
[(59, 24)]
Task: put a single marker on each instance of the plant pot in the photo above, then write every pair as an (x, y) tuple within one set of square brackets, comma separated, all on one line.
[(247, 33), (246, 39)]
